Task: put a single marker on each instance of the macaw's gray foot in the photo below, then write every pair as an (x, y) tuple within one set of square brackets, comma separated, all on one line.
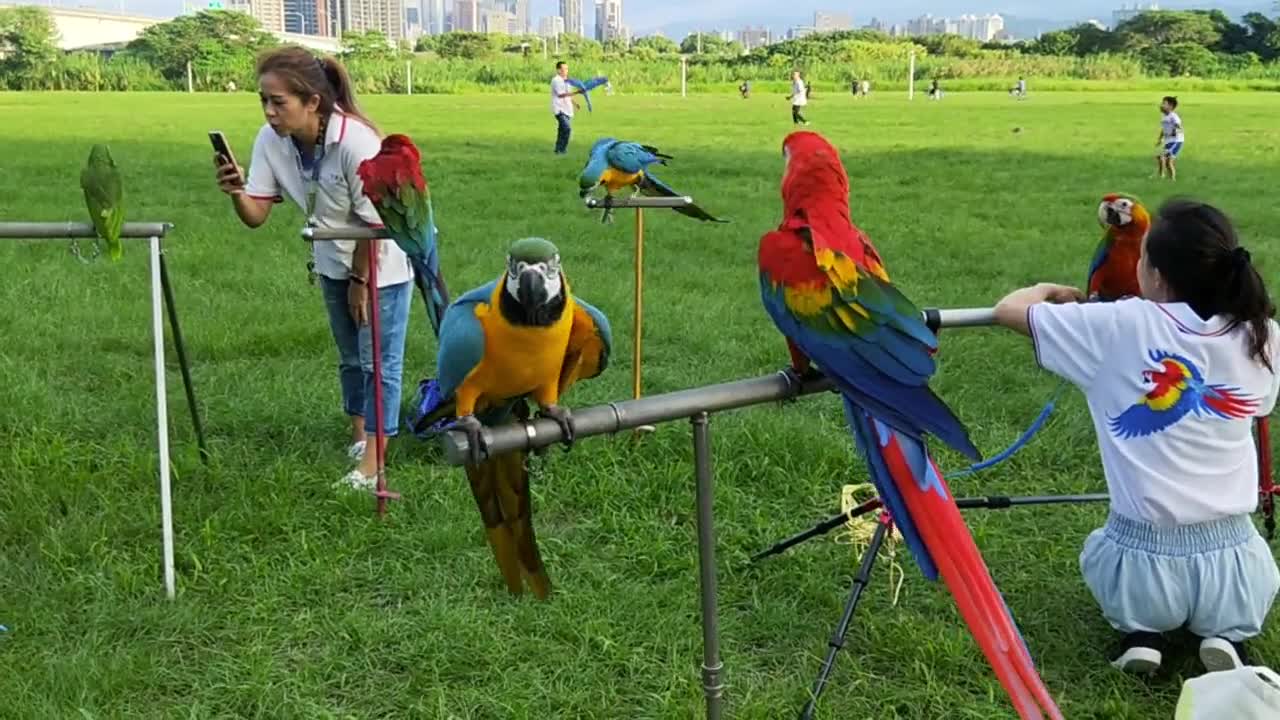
[(796, 380), (477, 448), (564, 419)]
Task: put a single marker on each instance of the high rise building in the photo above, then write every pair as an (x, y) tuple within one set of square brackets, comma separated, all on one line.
[(307, 17), (571, 14), (752, 39), (268, 13), (828, 21), (466, 16), (609, 21), (523, 22), (551, 26), (384, 16), (433, 16), (497, 21)]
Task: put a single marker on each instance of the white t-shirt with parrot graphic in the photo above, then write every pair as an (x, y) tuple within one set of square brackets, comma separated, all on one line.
[(1173, 398)]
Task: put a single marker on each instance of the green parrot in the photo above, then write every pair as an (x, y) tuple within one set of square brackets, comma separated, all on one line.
[(104, 196)]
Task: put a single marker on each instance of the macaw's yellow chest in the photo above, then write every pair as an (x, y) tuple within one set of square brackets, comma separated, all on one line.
[(518, 359), (614, 180)]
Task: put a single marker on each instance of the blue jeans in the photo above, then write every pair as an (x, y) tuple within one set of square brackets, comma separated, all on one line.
[(563, 128), (355, 351)]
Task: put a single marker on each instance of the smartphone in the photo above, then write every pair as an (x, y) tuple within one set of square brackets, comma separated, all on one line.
[(220, 146)]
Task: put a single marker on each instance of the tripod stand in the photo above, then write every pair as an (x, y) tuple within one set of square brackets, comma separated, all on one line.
[(863, 576)]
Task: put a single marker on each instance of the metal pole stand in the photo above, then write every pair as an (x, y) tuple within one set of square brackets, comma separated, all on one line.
[(712, 667), (637, 326), (160, 292), (374, 235)]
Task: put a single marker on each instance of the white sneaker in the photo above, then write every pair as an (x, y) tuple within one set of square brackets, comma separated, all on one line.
[(357, 480), (1219, 654), (356, 451)]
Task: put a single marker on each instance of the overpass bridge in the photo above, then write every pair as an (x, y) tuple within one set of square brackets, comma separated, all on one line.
[(90, 28)]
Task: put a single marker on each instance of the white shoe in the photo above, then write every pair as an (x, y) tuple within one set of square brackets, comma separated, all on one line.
[(356, 451), (1219, 654), (357, 480)]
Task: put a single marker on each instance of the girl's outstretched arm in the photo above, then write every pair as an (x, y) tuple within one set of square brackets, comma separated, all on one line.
[(1011, 312)]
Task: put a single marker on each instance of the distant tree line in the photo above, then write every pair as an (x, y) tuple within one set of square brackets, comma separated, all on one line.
[(220, 47)]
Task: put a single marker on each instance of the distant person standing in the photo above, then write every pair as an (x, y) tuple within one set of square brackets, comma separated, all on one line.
[(799, 97), (866, 87), (1171, 137), (562, 106), (935, 91)]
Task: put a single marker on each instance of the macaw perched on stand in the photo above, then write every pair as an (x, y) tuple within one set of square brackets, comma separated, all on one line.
[(1113, 272), (618, 164), (522, 335), (826, 288), (393, 181), (586, 86)]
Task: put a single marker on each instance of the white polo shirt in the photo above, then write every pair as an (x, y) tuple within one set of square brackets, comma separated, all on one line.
[(1173, 399), (276, 168), (559, 104), (798, 95), (1171, 128)]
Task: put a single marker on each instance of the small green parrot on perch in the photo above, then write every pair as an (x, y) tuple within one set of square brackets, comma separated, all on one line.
[(104, 196)]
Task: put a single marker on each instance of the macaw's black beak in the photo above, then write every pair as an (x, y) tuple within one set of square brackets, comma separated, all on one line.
[(1113, 217), (533, 289)]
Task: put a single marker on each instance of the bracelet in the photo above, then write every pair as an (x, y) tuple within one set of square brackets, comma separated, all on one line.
[(358, 280)]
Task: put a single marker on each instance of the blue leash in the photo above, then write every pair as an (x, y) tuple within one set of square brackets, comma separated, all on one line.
[(1018, 444)]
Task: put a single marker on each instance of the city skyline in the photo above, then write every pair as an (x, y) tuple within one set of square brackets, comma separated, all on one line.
[(677, 18)]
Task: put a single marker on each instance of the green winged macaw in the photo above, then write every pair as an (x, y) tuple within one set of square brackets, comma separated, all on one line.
[(104, 197), (618, 164), (826, 289), (393, 182), (523, 335)]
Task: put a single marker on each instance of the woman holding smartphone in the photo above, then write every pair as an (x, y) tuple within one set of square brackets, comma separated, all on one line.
[(309, 148)]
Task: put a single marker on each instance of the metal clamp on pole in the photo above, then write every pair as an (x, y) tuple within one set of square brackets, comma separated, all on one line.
[(62, 230)]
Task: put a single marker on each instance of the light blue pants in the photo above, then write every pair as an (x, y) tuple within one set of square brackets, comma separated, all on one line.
[(1218, 578), (355, 351)]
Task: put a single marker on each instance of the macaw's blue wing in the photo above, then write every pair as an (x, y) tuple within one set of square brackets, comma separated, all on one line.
[(461, 350), (883, 369), (630, 157), (587, 86), (653, 187), (1099, 259)]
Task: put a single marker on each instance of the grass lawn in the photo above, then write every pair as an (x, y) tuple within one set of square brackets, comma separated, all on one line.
[(294, 602)]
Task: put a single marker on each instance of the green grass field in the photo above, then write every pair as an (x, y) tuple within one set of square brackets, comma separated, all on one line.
[(295, 602)]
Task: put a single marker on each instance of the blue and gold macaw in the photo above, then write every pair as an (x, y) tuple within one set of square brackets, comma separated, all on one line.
[(586, 86), (618, 164), (521, 336)]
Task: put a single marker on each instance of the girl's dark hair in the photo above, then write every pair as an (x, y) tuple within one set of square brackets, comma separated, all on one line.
[(1194, 247), (308, 75)]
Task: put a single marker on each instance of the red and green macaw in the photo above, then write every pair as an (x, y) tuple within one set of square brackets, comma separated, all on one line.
[(393, 181), (1113, 272), (826, 288)]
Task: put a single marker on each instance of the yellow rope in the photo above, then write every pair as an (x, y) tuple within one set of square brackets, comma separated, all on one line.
[(857, 531)]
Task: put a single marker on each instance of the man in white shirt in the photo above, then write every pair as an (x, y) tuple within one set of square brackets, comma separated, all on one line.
[(562, 106), (799, 97), (1171, 137)]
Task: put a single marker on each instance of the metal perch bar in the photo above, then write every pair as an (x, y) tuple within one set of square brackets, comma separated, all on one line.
[(630, 414), (351, 233), (640, 201), (45, 231)]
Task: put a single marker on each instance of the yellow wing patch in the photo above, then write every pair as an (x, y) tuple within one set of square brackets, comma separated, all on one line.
[(807, 299)]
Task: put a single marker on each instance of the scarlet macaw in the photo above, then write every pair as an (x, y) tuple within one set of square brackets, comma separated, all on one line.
[(523, 334), (1113, 272), (826, 288), (393, 181)]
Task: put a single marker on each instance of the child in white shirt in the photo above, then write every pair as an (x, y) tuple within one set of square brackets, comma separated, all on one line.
[(1171, 138), (799, 97), (1173, 381)]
